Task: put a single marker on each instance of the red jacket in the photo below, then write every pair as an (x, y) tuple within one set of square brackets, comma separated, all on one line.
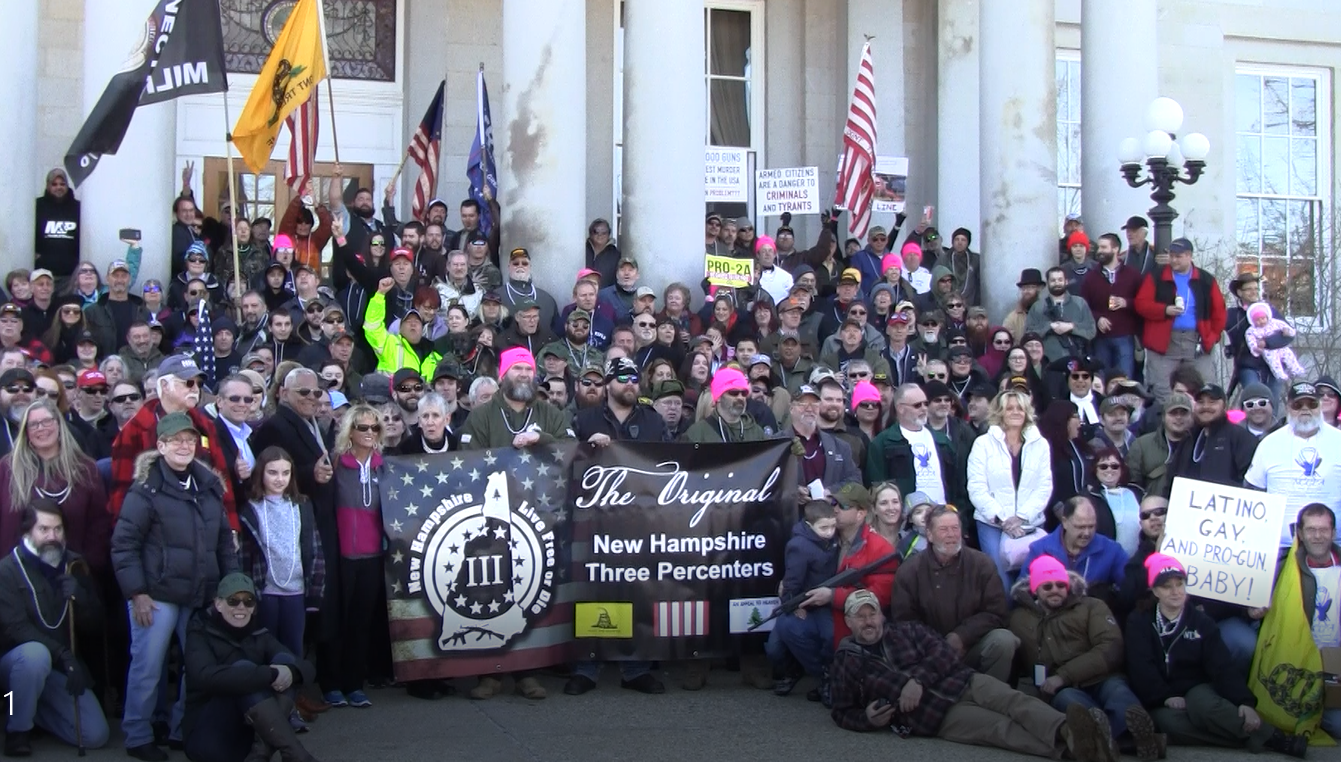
[(1158, 292), (141, 433), (868, 548)]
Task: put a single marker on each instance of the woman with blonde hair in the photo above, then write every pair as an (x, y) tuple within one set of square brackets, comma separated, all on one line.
[(1009, 480), (356, 460)]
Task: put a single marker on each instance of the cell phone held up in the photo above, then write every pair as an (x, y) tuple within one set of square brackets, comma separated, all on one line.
[(129, 235)]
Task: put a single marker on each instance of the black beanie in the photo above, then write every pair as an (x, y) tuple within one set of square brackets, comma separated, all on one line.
[(964, 232)]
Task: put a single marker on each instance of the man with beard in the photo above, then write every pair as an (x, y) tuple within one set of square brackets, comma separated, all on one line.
[(1150, 455), (407, 387), (430, 259), (255, 322), (668, 401), (600, 316), (41, 582), (1110, 291), (830, 412), (966, 266), (621, 418), (825, 457), (1064, 321), (1030, 284), (519, 286), (589, 387), (1140, 256), (457, 286), (1298, 460), (470, 224), (978, 330), (1217, 451), (728, 422), (361, 225), (111, 316), (527, 330), (17, 387), (792, 368), (911, 455), (513, 418), (1259, 412)]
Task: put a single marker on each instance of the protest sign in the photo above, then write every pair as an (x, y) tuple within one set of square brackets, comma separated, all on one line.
[(725, 175), (891, 184), (729, 271), (1227, 538), (794, 190), (504, 560)]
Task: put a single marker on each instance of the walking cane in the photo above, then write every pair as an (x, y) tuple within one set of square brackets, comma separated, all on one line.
[(78, 720)]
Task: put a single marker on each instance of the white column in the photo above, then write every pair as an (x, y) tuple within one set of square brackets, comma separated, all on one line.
[(542, 136), (1018, 137), (1119, 75), (664, 138), (957, 169), (18, 131), (883, 20), (136, 187)]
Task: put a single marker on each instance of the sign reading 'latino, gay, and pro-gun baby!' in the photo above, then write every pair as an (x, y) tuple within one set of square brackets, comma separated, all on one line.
[(1227, 538), (517, 559)]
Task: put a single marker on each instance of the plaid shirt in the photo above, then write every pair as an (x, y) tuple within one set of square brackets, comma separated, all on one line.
[(908, 651), (141, 434)]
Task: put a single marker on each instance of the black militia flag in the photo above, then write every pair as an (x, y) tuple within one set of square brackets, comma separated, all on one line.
[(180, 53)]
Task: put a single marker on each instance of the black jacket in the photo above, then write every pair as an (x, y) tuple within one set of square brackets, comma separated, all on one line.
[(23, 608), (170, 543), (56, 237), (1219, 453), (1160, 668), (643, 424), (230, 451), (605, 262)]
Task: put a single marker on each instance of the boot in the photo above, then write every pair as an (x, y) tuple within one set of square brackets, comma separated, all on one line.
[(1142, 729), (487, 688), (530, 688), (756, 672), (1294, 746), (270, 720), (260, 750), (696, 675)]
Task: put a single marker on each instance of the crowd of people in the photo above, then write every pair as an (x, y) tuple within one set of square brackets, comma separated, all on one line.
[(1006, 482)]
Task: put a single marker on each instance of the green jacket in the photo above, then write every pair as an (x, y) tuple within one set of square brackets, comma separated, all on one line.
[(890, 458), (1148, 462), (495, 425), (792, 379), (710, 430), (872, 357), (393, 350)]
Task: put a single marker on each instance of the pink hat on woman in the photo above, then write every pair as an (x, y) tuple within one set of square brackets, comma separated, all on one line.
[(1047, 569), (911, 247), (1159, 568), (728, 380), (512, 357), (762, 241), (864, 391)]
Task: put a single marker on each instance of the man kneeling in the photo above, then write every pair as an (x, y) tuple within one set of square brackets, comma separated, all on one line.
[(238, 674), (904, 676)]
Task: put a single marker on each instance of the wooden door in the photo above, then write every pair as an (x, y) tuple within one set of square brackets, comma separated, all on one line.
[(266, 194)]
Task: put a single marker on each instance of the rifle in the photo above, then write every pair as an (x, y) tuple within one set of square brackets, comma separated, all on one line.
[(841, 579)]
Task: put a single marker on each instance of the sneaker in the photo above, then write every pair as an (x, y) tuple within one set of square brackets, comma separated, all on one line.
[(18, 744), (1295, 746), (1142, 729), (335, 699), (644, 683), (297, 723), (147, 752), (785, 685), (578, 685), (488, 688), (359, 699)]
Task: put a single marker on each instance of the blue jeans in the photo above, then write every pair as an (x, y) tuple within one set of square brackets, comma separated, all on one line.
[(1240, 637), (284, 616), (989, 542), (1251, 376), (628, 670), (1331, 722), (1112, 695), (809, 640), (148, 650), (1117, 352), (39, 697)]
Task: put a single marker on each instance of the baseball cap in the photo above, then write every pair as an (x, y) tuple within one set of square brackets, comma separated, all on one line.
[(1178, 401), (375, 386), (1214, 391), (1134, 222), (446, 370), (644, 291), (86, 337), (664, 389), (914, 499), (956, 353), (406, 374), (621, 366), (853, 496), (578, 314), (627, 260), (901, 318), (935, 389), (858, 599), (875, 231), (519, 253), (118, 264), (525, 303), (789, 304), (252, 357), (1073, 217), (1256, 391), (852, 274), (1181, 245), (592, 368), (15, 375), (1302, 390), (235, 583), (491, 296), (761, 359), (401, 252), (181, 367), (175, 423), (91, 377), (40, 272), (806, 390), (1113, 403)]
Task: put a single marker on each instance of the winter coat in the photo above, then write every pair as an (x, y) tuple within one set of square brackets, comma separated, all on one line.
[(515, 290), (967, 271), (602, 324), (1160, 668), (56, 234), (839, 359), (1075, 311), (360, 525), (868, 263), (964, 596), (88, 524), (643, 424), (1148, 462), (1080, 641), (991, 479), (485, 426), (1159, 291), (395, 351), (810, 560), (1219, 453), (908, 651), (871, 338), (172, 544), (1077, 272), (712, 430), (101, 323), (1101, 563), (605, 262), (251, 551), (867, 548), (213, 647), (890, 458), (23, 608)]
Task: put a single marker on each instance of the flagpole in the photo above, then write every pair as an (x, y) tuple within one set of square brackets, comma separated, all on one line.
[(232, 204), (479, 129), (330, 101)]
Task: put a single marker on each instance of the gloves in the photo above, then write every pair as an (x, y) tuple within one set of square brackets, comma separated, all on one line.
[(798, 448), (69, 586), (76, 679)]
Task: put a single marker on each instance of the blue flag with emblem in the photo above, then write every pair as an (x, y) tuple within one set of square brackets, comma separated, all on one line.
[(481, 169)]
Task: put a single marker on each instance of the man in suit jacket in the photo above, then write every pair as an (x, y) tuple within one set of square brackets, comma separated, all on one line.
[(234, 403)]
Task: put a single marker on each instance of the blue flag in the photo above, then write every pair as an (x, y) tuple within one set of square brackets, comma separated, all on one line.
[(481, 170)]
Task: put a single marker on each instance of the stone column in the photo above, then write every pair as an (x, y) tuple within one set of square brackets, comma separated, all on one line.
[(542, 136), (1017, 131), (18, 131), (958, 202), (883, 20), (1119, 76), (664, 138)]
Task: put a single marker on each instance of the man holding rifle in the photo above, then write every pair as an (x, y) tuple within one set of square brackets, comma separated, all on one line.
[(45, 594)]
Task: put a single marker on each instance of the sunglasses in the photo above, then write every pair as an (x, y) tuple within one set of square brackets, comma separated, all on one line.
[(1048, 587), (197, 260), (1108, 467), (195, 292), (236, 398), (1153, 512), (587, 382), (334, 321), (737, 393), (930, 324), (315, 308), (1005, 343), (241, 600), (375, 428), (858, 375), (954, 306), (645, 325), (1080, 377), (626, 378), (122, 399), (915, 405), (856, 312), (189, 383), (99, 390), (1304, 405), (938, 376), (378, 243), (307, 392), (868, 405), (1254, 404), (410, 388), (20, 388), (152, 289), (71, 310), (879, 238)]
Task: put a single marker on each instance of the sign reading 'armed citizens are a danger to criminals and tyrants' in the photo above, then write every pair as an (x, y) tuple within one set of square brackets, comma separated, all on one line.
[(794, 190), (1227, 538), (726, 175)]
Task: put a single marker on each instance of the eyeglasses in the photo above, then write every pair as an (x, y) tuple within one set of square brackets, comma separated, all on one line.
[(1304, 405), (189, 383), (306, 392), (236, 398), (645, 324), (1153, 512), (938, 376), (97, 390), (122, 399), (868, 405), (410, 388), (1048, 587), (1254, 404), (915, 405), (1080, 377), (195, 292), (944, 400), (241, 600), (626, 378), (587, 382), (858, 375), (45, 423), (20, 388), (856, 312), (1108, 467), (955, 306), (187, 440), (737, 393), (879, 238), (365, 428)]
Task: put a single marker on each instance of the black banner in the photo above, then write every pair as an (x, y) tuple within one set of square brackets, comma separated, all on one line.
[(517, 559), (181, 53)]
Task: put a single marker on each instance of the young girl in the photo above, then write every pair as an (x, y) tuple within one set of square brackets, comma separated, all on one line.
[(1282, 361)]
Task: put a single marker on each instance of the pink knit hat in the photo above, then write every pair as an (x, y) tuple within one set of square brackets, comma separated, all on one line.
[(911, 246), (1259, 308), (864, 391), (513, 356), (762, 241), (891, 260), (283, 241), (728, 380), (1160, 567), (1046, 569)]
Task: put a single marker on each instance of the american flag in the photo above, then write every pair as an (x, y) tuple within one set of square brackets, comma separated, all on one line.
[(303, 127), (204, 343), (674, 619), (424, 150), (856, 184), (480, 168)]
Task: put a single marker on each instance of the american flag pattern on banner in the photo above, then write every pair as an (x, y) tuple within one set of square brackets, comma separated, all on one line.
[(424, 148), (303, 126), (204, 343), (856, 183), (673, 619)]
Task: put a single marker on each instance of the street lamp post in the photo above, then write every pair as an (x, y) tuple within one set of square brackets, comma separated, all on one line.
[(1165, 159)]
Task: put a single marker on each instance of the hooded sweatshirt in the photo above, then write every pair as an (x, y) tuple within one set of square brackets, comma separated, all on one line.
[(56, 238)]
